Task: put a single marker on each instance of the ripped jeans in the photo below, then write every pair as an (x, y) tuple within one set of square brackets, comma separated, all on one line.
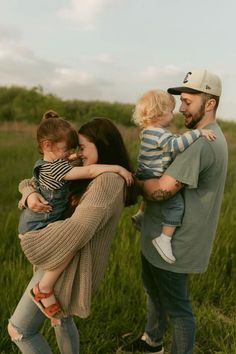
[(27, 320)]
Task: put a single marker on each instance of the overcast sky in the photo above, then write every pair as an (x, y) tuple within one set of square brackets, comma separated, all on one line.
[(114, 50)]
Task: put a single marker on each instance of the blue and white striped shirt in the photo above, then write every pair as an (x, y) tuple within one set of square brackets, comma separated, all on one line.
[(159, 147)]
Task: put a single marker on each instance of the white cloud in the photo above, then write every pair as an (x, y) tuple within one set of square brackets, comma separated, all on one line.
[(84, 12), (104, 59), (154, 72), (8, 34), (65, 76), (20, 66), (100, 77)]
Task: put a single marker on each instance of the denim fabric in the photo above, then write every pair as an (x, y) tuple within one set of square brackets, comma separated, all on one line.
[(168, 297), (172, 210), (30, 220), (27, 319), (143, 172)]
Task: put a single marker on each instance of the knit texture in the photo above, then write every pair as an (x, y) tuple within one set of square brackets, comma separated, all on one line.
[(87, 233)]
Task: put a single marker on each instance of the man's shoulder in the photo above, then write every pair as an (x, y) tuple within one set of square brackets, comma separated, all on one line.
[(199, 146), (206, 147), (187, 165)]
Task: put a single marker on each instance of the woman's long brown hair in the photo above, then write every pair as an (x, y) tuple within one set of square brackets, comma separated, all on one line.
[(103, 133)]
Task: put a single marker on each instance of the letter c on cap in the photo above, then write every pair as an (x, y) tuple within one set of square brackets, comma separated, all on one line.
[(186, 77)]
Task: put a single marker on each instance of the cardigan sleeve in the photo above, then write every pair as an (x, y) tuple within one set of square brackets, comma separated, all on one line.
[(47, 248), (26, 187)]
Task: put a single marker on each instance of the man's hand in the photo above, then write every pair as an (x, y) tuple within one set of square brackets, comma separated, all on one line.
[(37, 203)]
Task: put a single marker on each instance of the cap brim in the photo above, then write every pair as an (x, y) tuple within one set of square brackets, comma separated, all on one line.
[(179, 90)]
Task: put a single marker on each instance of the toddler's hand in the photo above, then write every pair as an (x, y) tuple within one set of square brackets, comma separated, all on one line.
[(209, 134), (73, 157), (127, 176)]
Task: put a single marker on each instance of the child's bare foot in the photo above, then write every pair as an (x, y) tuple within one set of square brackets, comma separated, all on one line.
[(46, 301)]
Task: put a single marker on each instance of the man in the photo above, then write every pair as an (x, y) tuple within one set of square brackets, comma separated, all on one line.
[(199, 172)]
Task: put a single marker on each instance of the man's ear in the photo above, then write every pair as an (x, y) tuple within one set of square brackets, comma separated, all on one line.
[(210, 105)]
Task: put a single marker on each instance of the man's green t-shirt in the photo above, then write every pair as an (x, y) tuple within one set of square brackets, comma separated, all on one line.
[(202, 168)]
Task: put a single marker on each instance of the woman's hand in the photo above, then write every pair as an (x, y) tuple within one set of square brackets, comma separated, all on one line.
[(37, 203)]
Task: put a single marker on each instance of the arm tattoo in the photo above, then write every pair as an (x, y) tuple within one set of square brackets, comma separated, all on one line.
[(179, 184), (162, 194)]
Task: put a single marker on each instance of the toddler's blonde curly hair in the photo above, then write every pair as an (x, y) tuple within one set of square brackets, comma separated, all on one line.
[(151, 105)]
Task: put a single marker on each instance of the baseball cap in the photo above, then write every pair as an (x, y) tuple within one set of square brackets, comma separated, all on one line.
[(199, 81)]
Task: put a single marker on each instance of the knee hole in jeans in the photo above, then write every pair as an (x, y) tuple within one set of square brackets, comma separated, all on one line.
[(13, 333)]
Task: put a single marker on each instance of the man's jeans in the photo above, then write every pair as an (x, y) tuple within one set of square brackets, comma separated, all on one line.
[(28, 319), (168, 297)]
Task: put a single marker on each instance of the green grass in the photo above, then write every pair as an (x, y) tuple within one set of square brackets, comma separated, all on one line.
[(119, 306)]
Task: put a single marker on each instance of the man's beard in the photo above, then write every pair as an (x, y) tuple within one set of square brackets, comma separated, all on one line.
[(196, 118)]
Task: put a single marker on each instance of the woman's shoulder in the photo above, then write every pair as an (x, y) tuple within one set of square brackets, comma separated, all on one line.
[(109, 177), (104, 189), (108, 183)]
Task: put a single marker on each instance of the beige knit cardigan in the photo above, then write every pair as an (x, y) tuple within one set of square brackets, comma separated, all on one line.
[(87, 233)]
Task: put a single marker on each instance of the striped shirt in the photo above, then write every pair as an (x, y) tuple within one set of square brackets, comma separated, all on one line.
[(159, 147), (51, 174)]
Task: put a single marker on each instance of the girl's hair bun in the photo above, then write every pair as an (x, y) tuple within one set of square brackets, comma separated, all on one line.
[(50, 114)]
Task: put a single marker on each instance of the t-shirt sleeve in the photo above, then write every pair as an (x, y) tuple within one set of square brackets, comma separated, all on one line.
[(60, 168), (191, 163)]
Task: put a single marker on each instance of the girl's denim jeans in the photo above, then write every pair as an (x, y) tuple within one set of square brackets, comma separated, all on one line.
[(27, 319), (168, 297)]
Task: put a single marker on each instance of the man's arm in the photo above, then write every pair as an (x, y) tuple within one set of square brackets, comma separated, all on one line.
[(160, 189)]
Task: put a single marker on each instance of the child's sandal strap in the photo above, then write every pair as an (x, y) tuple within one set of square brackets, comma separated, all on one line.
[(52, 310), (38, 295)]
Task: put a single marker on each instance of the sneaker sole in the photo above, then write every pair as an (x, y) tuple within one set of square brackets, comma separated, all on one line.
[(161, 253)]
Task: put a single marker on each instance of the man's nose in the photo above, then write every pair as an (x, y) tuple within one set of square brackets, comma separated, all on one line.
[(182, 108)]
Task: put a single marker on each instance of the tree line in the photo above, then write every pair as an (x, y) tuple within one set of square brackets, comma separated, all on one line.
[(18, 104)]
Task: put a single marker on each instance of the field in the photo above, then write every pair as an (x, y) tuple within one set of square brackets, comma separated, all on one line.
[(119, 306)]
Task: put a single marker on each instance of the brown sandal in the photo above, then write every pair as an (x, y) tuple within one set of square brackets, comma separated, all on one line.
[(37, 296)]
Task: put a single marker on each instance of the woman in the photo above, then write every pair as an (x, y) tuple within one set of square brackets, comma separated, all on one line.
[(87, 233)]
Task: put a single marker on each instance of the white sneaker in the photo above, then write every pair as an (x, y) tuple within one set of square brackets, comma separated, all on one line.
[(164, 249)]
